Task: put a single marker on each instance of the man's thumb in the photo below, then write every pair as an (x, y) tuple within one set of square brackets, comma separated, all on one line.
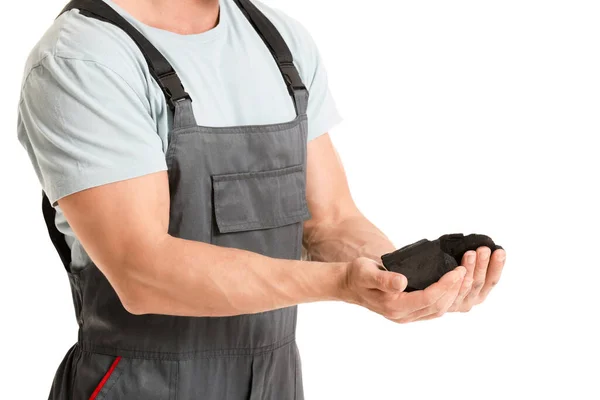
[(389, 281)]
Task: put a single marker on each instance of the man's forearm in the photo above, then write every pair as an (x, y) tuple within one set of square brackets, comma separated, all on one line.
[(182, 277), (345, 239)]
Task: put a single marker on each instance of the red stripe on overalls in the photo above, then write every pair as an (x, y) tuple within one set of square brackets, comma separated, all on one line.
[(105, 378)]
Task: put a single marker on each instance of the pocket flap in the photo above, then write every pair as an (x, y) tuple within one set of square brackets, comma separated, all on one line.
[(260, 200)]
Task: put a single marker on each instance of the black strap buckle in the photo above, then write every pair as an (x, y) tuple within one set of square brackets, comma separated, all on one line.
[(173, 88), (291, 76)]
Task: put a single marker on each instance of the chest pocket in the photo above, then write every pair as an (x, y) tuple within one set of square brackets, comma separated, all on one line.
[(261, 211)]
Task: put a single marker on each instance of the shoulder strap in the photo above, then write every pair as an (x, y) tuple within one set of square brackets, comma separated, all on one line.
[(57, 238), (160, 69), (279, 49)]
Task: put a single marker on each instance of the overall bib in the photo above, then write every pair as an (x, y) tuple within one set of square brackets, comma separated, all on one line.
[(241, 187)]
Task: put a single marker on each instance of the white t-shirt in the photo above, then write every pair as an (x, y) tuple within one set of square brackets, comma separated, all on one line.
[(91, 113)]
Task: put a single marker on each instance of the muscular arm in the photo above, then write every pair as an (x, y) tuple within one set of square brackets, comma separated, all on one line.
[(337, 231), (123, 227)]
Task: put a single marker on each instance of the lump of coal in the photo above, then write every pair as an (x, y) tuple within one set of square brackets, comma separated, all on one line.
[(425, 262)]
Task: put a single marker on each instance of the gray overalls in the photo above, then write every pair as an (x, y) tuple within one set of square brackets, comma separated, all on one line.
[(241, 187)]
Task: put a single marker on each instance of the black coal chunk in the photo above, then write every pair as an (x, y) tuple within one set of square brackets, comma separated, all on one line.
[(425, 262)]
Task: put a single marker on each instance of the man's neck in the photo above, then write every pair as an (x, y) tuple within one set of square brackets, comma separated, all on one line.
[(185, 17)]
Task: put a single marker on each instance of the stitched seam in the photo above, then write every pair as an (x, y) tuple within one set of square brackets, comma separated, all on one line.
[(52, 53), (171, 150), (296, 236), (257, 174), (242, 349), (176, 379), (118, 372), (295, 375), (255, 129), (89, 347), (266, 224), (34, 122), (36, 66)]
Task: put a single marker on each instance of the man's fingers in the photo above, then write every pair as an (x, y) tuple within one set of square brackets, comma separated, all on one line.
[(440, 307), (493, 272), (481, 266), (468, 261), (421, 299), (445, 284), (467, 284)]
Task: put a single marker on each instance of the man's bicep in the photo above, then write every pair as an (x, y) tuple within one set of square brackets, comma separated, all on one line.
[(327, 191), (120, 221)]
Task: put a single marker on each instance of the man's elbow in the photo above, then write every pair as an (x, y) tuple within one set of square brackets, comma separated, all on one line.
[(136, 280), (133, 296), (134, 304)]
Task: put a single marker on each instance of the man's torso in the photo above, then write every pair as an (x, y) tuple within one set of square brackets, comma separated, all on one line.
[(228, 72)]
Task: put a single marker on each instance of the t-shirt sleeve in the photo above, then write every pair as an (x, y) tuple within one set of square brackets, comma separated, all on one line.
[(84, 126), (322, 111)]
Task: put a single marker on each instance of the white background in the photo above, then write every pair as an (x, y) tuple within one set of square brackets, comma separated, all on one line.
[(460, 116)]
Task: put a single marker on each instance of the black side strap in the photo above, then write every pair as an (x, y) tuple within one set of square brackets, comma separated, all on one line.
[(58, 239), (160, 69), (275, 43)]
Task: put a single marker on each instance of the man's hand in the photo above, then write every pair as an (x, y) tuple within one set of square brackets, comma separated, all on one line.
[(339, 232), (383, 292), (483, 273)]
